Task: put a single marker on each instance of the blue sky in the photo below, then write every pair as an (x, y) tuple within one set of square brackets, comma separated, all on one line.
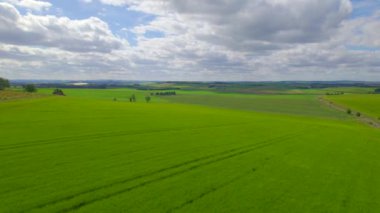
[(364, 8), (190, 39)]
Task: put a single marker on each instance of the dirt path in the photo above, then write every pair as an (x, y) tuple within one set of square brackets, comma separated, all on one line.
[(363, 118)]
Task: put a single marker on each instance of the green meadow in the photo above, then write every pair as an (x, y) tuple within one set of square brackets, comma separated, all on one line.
[(303, 104), (365, 103), (198, 151)]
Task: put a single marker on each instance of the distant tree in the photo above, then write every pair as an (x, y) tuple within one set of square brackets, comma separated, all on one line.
[(30, 88), (335, 93), (132, 98), (377, 91), (114, 99), (349, 111), (358, 114), (4, 83), (58, 92), (147, 99)]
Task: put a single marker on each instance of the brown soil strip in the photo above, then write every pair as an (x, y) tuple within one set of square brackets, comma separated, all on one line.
[(9, 95)]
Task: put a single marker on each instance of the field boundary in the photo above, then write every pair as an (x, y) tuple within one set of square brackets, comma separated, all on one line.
[(15, 95), (368, 120)]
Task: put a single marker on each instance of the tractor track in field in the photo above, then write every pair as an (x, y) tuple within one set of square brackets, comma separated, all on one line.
[(214, 189), (218, 157), (205, 193), (105, 135), (164, 177)]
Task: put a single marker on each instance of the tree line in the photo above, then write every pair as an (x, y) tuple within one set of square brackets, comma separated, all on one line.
[(335, 93), (4, 83), (163, 93), (30, 88)]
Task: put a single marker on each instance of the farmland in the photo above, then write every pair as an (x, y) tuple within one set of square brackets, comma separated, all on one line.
[(366, 103), (197, 151)]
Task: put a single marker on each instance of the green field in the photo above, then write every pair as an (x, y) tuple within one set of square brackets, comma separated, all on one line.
[(279, 104), (365, 103), (121, 94), (197, 151)]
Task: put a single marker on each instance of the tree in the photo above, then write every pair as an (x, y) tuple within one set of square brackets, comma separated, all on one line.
[(147, 99), (132, 98), (377, 91), (30, 88), (58, 92), (166, 93), (349, 111), (4, 83), (358, 114)]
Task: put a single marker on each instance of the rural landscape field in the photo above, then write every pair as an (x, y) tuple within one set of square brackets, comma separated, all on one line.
[(198, 106), (93, 150)]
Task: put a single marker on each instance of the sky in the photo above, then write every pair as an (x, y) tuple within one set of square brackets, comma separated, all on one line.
[(190, 40)]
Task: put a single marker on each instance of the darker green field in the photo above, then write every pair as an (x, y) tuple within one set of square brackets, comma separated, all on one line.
[(282, 104), (193, 152)]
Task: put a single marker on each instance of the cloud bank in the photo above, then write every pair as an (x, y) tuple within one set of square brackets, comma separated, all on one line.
[(197, 40)]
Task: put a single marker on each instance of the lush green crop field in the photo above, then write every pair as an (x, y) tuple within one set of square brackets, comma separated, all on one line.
[(352, 90), (121, 94), (368, 104), (285, 104), (87, 153)]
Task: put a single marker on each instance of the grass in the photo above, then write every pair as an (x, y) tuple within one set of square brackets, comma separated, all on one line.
[(9, 95), (121, 94), (284, 104), (365, 103), (87, 153)]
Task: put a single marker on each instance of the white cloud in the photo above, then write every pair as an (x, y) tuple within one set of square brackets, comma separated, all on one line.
[(203, 40), (245, 25), (363, 31), (31, 4), (90, 34)]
